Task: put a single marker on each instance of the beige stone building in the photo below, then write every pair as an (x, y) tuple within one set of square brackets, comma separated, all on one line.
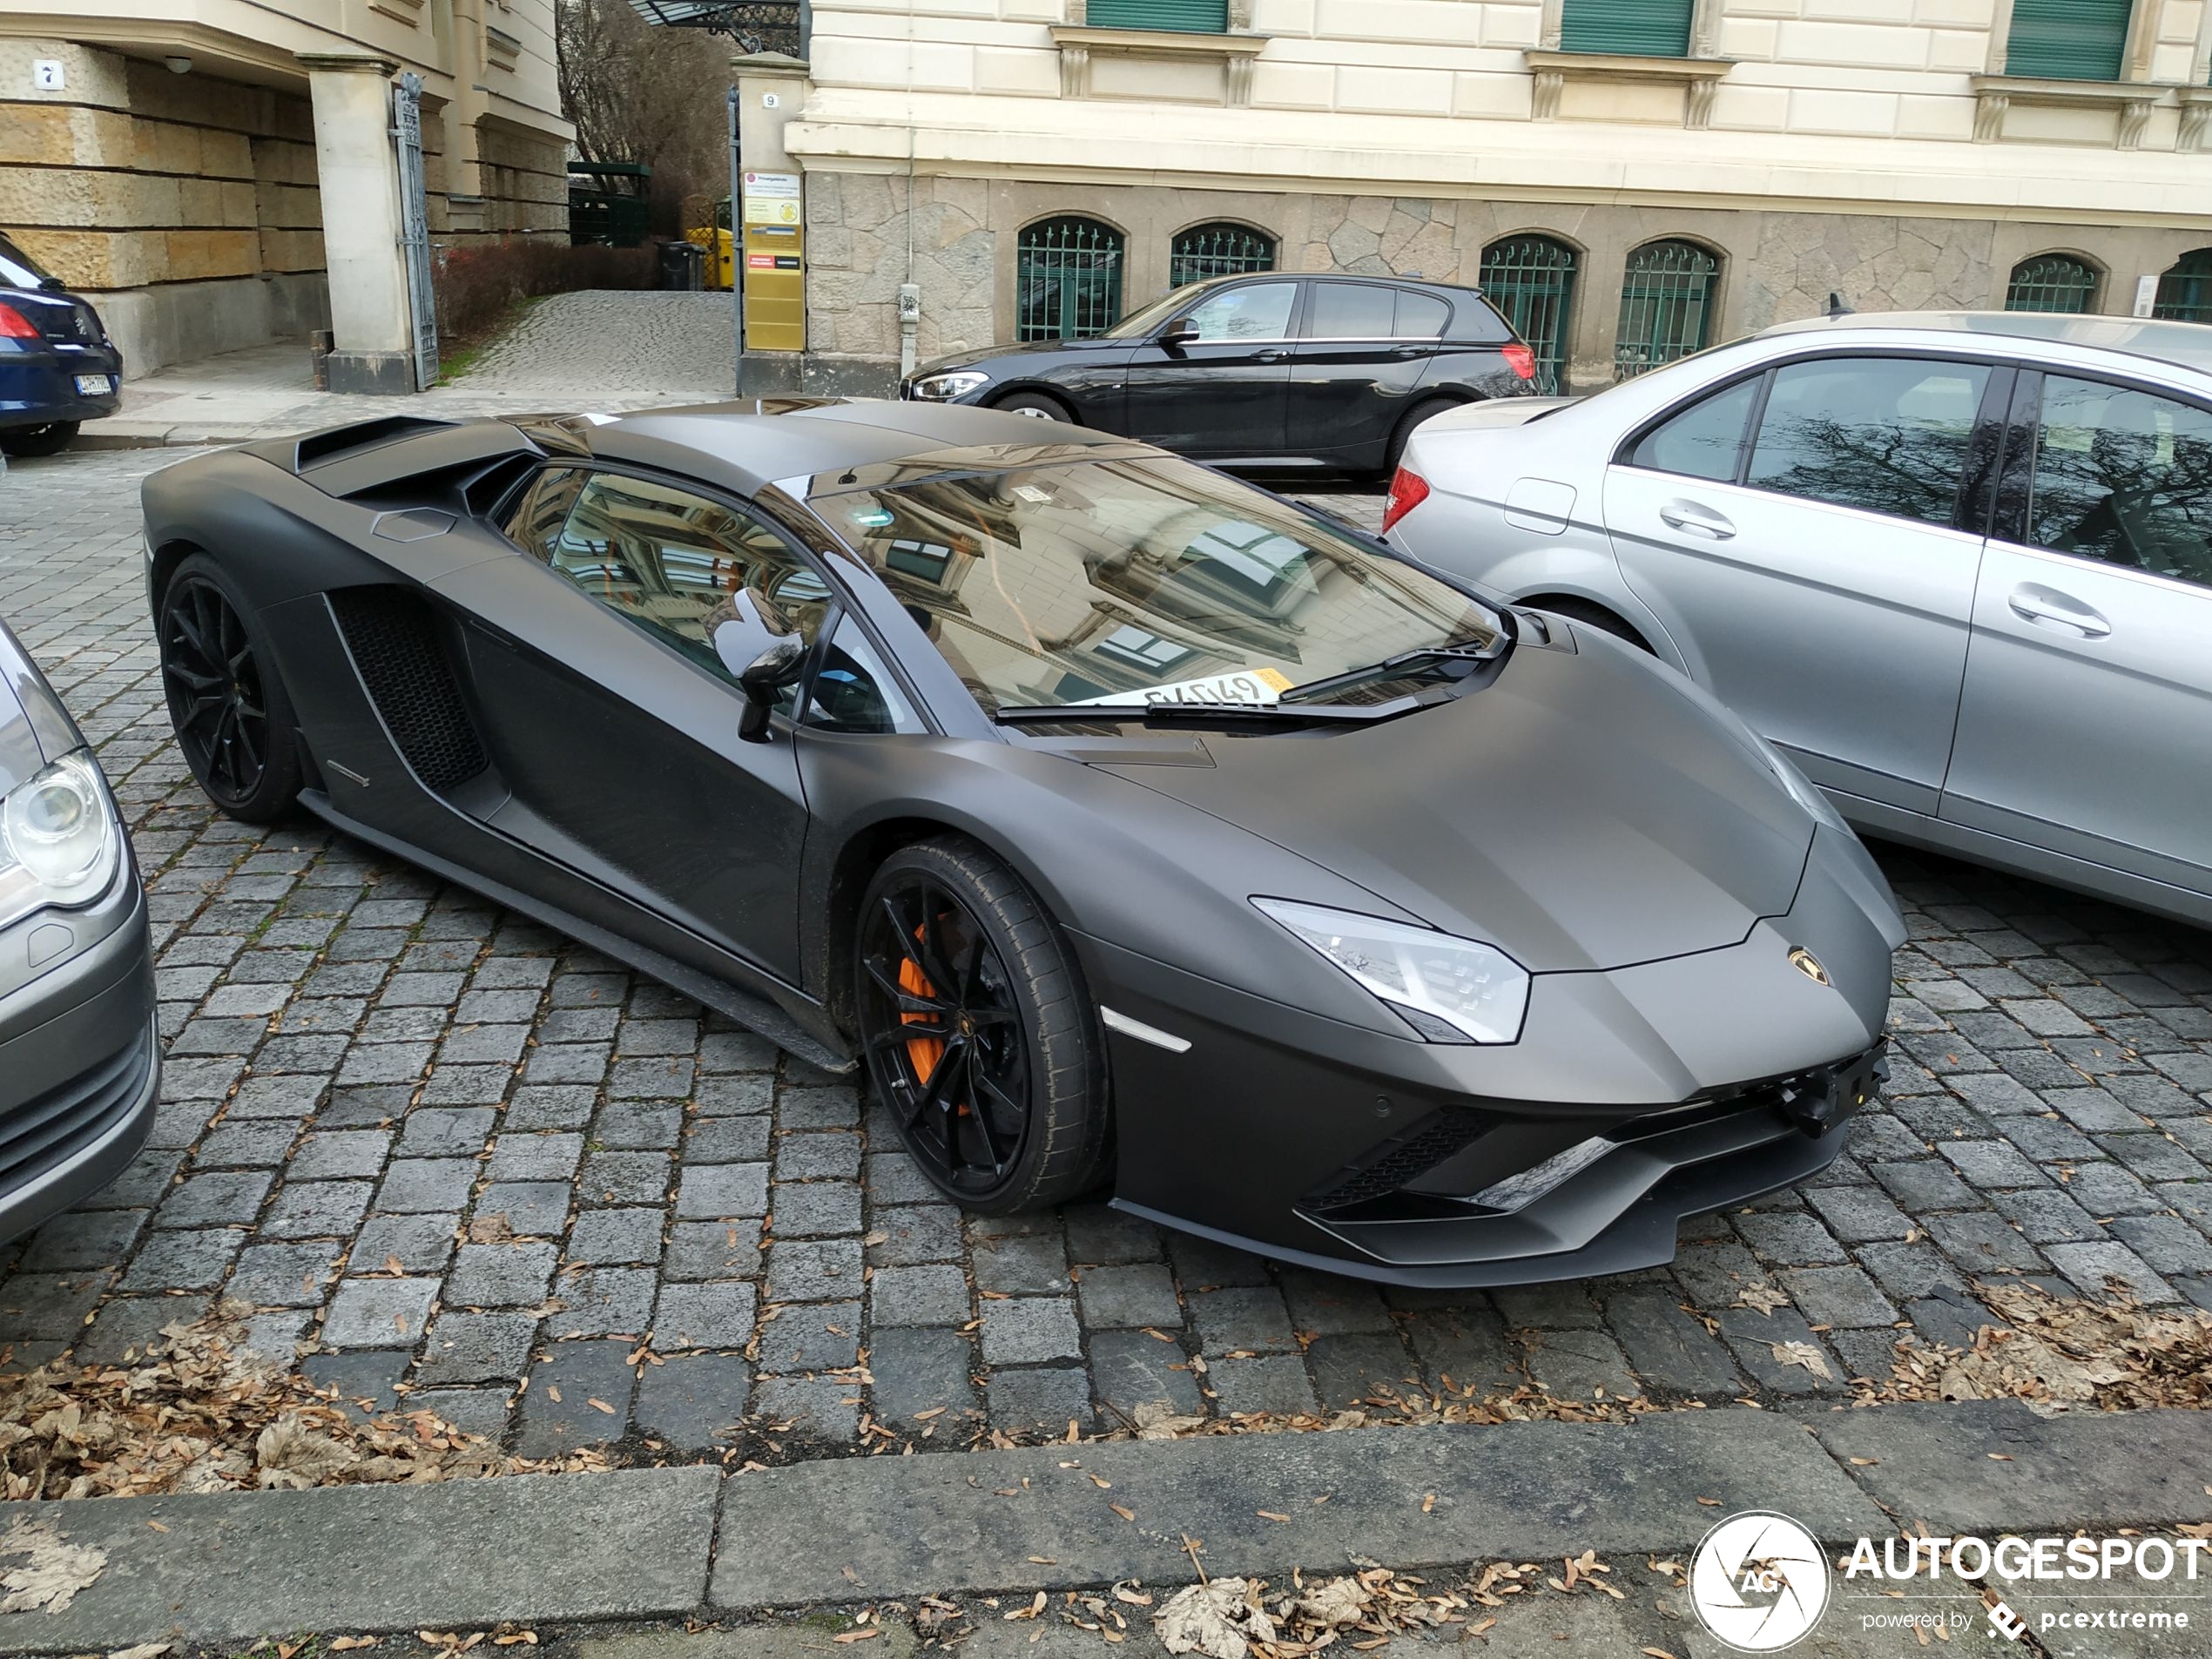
[(200, 167), (1631, 178)]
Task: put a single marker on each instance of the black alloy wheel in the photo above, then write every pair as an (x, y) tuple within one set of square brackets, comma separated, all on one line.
[(975, 1031), (1040, 405), (232, 717)]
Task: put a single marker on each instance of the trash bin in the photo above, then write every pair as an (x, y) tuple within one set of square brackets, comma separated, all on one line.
[(682, 265)]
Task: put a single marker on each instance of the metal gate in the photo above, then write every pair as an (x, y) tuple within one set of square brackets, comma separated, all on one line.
[(2052, 283), (1218, 249), (1666, 307), (2185, 291), (1067, 279), (1531, 278), (414, 227)]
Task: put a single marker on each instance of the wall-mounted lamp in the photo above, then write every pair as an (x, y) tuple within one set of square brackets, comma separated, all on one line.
[(178, 64)]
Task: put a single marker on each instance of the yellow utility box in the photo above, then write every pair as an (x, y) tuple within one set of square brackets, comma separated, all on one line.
[(775, 262)]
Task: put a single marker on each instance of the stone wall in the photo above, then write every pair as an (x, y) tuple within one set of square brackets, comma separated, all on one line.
[(1776, 266), (525, 182)]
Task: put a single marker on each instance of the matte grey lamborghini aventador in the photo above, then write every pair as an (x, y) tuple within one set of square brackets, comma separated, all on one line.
[(1130, 825)]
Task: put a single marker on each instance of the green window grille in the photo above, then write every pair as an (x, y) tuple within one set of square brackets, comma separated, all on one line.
[(2068, 40), (2185, 291), (1067, 278), (2053, 282), (1666, 298), (1218, 249), (1531, 278), (1187, 16), (1641, 28)]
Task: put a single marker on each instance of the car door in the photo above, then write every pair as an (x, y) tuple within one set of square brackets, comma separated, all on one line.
[(608, 685), (1220, 391), (1809, 539), (1362, 351), (2086, 723)]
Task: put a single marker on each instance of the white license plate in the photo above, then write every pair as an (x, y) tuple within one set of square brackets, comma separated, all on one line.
[(95, 385)]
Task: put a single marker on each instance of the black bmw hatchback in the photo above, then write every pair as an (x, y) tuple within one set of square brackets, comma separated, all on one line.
[(1266, 370)]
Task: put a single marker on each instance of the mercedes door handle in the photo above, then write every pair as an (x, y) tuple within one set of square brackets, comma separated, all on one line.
[(2049, 608), (1269, 356), (1692, 519)]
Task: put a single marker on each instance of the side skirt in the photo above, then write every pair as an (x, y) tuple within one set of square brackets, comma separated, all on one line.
[(756, 1013)]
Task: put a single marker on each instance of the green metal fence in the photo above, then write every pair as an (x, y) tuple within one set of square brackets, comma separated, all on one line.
[(2053, 282), (1218, 249), (2185, 291), (1067, 278), (1667, 297), (1531, 280)]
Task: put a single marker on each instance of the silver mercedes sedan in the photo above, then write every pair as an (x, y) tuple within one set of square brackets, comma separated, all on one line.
[(1957, 565)]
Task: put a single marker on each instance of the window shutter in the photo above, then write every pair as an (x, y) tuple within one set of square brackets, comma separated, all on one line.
[(1189, 17), (1644, 28), (2070, 40)]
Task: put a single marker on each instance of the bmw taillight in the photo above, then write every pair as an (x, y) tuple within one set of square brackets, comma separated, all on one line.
[(1407, 491), (15, 326), (1520, 358)]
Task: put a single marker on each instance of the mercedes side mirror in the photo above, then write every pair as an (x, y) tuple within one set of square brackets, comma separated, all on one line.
[(767, 674)]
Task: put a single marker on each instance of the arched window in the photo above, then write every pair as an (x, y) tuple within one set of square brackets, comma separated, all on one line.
[(1218, 249), (1531, 278), (2052, 282), (1666, 298), (1067, 278), (2185, 291)]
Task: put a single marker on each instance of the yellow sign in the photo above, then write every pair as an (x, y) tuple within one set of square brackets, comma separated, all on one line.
[(775, 262)]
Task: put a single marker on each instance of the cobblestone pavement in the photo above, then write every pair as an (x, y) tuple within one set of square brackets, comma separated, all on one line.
[(374, 1079)]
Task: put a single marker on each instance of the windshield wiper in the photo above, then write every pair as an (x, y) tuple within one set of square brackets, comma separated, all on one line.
[(1210, 713), (1426, 656)]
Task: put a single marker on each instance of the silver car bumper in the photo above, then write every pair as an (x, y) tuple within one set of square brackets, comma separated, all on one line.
[(80, 1064)]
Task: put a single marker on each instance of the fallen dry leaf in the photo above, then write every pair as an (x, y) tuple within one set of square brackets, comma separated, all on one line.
[(1217, 1619), (52, 1572), (1764, 1299), (1805, 1354)]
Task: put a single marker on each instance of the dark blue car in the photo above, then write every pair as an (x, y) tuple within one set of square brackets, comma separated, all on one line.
[(57, 368)]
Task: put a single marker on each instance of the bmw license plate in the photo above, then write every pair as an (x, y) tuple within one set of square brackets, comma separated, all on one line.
[(95, 385)]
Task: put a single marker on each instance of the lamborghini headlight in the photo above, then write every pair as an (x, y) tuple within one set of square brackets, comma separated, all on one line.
[(941, 388), (60, 840), (1449, 989)]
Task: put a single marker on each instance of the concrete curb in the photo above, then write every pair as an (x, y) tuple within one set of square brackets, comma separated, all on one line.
[(643, 1543)]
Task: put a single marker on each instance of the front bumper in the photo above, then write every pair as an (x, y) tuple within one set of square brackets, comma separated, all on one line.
[(80, 1060), (1634, 1098)]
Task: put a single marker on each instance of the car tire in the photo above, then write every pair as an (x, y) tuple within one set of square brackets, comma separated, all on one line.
[(998, 1089), (1592, 615), (227, 703), (1042, 405), (1428, 408), (28, 441)]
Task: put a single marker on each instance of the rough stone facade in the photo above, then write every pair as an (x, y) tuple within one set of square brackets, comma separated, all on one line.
[(956, 238)]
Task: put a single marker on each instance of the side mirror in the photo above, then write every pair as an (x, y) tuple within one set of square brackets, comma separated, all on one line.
[(1182, 331), (778, 666)]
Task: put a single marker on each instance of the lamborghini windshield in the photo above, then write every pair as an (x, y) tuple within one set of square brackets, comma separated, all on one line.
[(1138, 582)]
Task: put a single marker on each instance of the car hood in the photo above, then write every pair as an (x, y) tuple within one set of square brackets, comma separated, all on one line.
[(33, 728), (1013, 355), (1580, 812)]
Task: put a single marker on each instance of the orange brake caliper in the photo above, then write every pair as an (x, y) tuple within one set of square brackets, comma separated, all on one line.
[(922, 1053)]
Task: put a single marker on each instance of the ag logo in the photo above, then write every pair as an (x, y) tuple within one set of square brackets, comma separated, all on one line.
[(1759, 1581)]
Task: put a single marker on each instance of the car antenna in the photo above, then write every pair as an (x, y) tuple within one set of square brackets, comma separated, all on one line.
[(1836, 307)]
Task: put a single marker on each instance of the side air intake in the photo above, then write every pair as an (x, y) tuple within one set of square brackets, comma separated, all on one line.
[(394, 640)]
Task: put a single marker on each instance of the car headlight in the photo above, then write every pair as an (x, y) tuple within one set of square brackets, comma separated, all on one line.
[(59, 839), (1448, 990), (940, 388)]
